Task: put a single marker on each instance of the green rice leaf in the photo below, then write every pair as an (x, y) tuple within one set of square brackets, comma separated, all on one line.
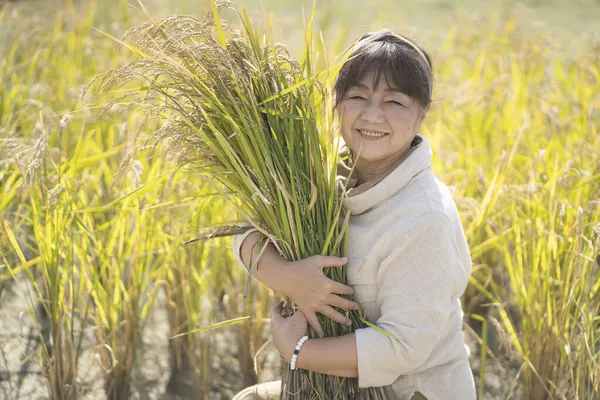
[(378, 329), (219, 27), (211, 327)]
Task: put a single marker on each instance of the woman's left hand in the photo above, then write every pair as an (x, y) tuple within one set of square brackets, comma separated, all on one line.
[(286, 332)]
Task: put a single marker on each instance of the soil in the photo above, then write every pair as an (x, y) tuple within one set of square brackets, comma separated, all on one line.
[(21, 377)]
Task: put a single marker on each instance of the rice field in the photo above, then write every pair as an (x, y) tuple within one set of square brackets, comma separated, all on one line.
[(101, 296)]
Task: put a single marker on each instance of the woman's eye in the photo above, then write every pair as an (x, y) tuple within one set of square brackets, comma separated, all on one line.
[(356, 98), (395, 102)]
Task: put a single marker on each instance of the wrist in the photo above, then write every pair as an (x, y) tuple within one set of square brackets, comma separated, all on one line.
[(296, 352), (283, 278)]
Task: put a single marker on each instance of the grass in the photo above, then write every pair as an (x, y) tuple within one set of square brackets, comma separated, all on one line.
[(515, 131)]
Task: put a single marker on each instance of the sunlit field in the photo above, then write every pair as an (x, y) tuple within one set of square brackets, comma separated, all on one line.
[(104, 293)]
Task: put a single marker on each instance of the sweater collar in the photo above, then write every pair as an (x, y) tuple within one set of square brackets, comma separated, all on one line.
[(365, 197)]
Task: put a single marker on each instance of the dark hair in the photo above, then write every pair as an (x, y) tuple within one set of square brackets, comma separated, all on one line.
[(398, 58)]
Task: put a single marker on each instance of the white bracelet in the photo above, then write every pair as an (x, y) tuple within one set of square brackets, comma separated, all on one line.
[(296, 351)]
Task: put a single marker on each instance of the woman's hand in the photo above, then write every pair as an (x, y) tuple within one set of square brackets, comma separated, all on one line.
[(331, 356), (286, 332), (302, 281), (313, 292)]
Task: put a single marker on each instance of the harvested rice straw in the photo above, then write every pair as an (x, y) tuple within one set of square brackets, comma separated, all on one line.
[(252, 119)]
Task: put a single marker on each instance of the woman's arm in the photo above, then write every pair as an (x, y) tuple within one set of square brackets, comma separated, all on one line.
[(302, 281), (416, 292), (332, 356), (272, 269)]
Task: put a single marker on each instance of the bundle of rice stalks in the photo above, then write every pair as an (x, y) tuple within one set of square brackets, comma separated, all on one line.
[(248, 116)]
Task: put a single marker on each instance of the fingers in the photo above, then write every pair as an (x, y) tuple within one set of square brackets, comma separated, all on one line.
[(340, 288), (340, 302), (330, 261), (336, 316), (313, 321)]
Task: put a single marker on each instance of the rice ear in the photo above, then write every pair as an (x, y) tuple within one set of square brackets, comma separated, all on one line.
[(220, 231)]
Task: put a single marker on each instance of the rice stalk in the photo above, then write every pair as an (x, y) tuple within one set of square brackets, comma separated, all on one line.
[(248, 116), (56, 306), (194, 277), (125, 257)]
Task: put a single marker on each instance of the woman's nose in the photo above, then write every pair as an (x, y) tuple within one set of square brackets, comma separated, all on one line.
[(372, 113)]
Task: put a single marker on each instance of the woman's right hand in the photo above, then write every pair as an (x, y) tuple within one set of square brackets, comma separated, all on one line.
[(314, 293), (302, 281)]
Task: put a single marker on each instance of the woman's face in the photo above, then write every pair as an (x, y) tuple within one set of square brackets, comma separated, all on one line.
[(384, 120)]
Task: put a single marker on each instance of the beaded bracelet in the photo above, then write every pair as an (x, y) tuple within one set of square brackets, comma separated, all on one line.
[(296, 351)]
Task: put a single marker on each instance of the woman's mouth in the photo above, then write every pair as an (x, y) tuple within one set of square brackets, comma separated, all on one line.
[(371, 135)]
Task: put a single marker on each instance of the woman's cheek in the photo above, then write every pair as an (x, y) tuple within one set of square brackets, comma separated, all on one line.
[(347, 121)]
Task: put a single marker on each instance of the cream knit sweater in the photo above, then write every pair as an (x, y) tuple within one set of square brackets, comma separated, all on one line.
[(408, 263)]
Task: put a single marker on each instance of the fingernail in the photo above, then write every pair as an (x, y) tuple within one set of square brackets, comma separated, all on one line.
[(344, 259), (349, 323)]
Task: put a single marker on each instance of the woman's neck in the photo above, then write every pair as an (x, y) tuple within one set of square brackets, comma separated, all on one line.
[(368, 171)]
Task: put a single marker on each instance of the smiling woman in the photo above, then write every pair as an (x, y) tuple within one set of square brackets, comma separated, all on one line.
[(378, 124), (408, 259), (383, 94)]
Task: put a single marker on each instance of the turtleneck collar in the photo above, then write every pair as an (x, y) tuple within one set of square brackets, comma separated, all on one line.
[(365, 197)]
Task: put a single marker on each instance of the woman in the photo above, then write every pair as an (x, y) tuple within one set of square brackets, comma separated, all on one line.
[(408, 259)]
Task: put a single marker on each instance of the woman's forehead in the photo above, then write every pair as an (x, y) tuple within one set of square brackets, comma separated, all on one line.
[(367, 83), (370, 81)]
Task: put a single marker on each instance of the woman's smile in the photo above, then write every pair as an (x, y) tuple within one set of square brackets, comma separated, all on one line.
[(371, 135)]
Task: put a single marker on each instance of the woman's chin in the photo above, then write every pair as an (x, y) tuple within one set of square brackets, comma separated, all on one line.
[(369, 157)]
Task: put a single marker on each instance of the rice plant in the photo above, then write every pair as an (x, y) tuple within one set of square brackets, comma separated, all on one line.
[(55, 301), (195, 277), (249, 117), (533, 229)]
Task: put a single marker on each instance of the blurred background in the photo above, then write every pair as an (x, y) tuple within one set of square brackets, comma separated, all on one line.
[(96, 282)]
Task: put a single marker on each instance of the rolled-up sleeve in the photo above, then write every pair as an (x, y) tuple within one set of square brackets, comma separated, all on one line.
[(236, 245), (416, 283)]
